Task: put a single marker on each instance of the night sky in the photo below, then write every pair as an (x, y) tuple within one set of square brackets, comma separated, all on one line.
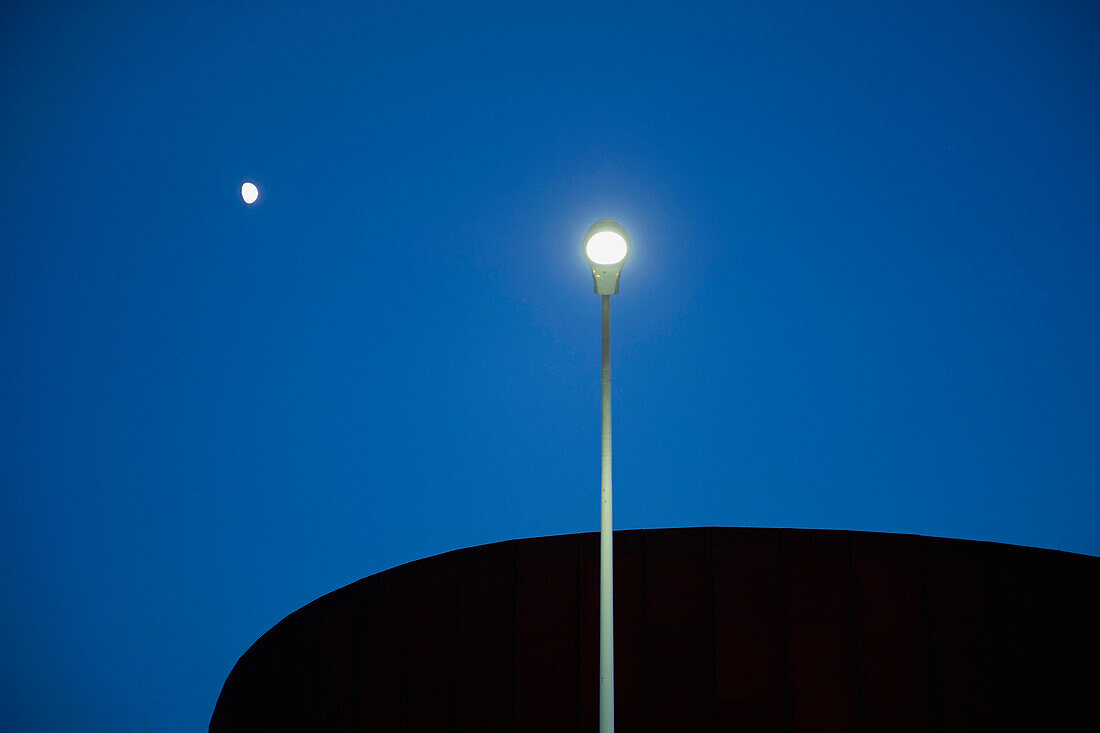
[(863, 294)]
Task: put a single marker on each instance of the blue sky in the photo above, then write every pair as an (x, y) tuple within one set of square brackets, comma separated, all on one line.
[(862, 295)]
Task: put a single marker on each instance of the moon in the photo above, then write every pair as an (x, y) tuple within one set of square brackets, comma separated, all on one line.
[(249, 192)]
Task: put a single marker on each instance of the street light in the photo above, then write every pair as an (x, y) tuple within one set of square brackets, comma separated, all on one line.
[(606, 247)]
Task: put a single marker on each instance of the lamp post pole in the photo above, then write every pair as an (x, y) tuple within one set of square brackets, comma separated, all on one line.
[(606, 246), (607, 627)]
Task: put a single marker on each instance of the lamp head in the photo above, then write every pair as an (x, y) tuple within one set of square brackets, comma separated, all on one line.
[(606, 247)]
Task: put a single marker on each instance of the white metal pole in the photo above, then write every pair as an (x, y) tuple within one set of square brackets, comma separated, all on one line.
[(607, 641)]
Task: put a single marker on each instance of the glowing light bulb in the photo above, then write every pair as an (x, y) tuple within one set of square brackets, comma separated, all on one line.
[(606, 248)]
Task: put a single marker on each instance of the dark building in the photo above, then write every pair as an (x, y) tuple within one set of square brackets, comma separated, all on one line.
[(717, 629)]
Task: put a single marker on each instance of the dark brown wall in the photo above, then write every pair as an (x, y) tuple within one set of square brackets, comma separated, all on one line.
[(715, 629)]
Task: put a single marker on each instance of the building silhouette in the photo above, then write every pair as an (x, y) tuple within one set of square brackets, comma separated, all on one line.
[(716, 629)]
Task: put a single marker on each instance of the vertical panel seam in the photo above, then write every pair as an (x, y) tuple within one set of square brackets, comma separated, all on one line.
[(643, 634), (404, 650), (454, 643), (515, 633), (861, 723), (577, 658), (788, 702), (713, 635), (933, 693)]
